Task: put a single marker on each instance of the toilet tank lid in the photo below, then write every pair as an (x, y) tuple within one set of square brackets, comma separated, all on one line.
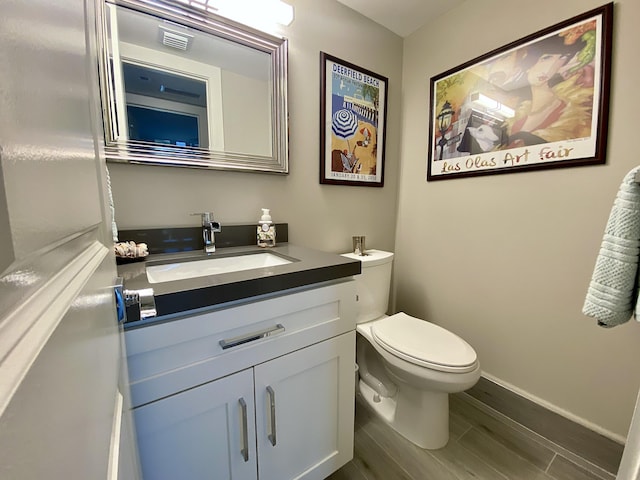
[(371, 257)]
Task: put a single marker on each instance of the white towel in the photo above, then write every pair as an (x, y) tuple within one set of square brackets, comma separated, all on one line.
[(114, 227), (612, 297)]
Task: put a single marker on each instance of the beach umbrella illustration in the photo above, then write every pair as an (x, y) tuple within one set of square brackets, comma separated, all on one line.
[(344, 124)]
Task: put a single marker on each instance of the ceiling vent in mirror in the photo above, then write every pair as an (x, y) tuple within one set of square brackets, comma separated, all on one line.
[(173, 39)]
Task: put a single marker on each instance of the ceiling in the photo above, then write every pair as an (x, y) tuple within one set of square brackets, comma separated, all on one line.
[(402, 17)]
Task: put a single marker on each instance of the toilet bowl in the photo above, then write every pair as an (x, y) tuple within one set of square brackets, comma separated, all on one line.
[(407, 366)]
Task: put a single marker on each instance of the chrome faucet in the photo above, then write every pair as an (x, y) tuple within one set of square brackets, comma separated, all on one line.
[(209, 227)]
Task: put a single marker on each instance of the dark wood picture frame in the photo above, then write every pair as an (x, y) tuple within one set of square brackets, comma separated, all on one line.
[(353, 115), (539, 102)]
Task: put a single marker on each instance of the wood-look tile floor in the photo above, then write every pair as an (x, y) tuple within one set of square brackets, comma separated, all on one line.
[(481, 447)]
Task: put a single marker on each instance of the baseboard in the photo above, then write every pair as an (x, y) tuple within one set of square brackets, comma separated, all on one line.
[(574, 437)]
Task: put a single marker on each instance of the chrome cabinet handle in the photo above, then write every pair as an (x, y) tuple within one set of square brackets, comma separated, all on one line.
[(235, 341), (272, 410), (244, 451)]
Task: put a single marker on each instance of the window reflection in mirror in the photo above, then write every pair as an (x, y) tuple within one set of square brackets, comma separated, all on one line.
[(185, 91), (165, 108)]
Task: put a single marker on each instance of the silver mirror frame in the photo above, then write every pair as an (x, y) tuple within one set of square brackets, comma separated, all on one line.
[(153, 154)]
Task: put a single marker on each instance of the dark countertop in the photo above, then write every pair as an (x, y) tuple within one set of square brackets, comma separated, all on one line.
[(308, 266)]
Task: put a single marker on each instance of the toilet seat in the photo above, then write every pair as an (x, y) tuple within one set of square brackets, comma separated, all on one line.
[(424, 344)]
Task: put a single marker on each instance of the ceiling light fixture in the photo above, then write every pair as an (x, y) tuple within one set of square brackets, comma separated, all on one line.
[(261, 14)]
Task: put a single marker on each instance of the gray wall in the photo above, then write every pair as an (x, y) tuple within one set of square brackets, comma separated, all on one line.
[(505, 260), (319, 216)]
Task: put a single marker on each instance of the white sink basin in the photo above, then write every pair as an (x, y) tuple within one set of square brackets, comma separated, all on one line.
[(212, 266)]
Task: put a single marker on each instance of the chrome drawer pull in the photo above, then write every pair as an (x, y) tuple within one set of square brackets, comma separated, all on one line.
[(272, 410), (245, 435), (235, 341)]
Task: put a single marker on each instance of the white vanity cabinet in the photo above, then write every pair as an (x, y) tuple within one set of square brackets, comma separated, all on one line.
[(277, 407), (304, 411), (199, 433)]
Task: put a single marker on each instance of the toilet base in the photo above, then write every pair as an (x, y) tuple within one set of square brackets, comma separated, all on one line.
[(420, 416)]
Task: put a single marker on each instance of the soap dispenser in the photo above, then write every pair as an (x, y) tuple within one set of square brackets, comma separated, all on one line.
[(266, 230)]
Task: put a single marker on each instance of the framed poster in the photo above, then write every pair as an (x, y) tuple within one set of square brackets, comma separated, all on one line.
[(353, 109), (540, 102)]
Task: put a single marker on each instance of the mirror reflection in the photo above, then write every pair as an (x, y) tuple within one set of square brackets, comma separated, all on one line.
[(188, 89), (165, 108)]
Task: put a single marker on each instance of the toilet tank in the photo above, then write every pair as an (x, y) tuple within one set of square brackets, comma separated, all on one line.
[(372, 285)]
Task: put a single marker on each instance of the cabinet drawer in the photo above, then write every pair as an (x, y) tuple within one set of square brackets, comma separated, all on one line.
[(170, 357)]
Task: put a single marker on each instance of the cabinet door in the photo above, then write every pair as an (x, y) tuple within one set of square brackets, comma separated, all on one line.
[(304, 411), (205, 432)]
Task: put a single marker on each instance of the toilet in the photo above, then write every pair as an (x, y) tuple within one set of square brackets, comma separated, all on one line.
[(407, 366)]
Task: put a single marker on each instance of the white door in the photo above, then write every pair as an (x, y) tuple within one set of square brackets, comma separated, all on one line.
[(61, 413), (207, 432), (305, 410)]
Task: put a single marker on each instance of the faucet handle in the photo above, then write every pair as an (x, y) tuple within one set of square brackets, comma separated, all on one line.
[(209, 222), (207, 217)]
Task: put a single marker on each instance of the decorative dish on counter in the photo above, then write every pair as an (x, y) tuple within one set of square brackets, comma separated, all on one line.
[(127, 252)]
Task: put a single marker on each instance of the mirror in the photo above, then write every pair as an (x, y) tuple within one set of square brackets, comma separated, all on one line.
[(184, 87)]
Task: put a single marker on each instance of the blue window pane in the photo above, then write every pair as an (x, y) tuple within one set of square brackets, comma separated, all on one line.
[(160, 126)]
